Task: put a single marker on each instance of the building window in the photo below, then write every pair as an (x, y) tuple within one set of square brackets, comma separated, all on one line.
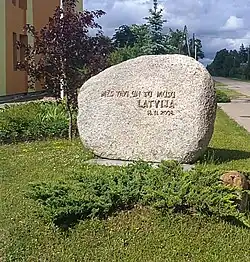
[(14, 51), (23, 4), (24, 43)]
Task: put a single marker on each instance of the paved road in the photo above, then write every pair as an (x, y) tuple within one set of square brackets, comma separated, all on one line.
[(239, 110), (240, 86)]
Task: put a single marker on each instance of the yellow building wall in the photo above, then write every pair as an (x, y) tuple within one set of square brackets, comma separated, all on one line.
[(16, 81), (36, 12)]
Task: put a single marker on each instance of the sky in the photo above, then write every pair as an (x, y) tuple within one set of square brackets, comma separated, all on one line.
[(218, 23)]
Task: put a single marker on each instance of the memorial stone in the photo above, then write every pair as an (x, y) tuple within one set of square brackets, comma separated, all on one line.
[(150, 108)]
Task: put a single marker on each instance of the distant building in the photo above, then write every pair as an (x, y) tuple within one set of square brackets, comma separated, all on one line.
[(14, 15)]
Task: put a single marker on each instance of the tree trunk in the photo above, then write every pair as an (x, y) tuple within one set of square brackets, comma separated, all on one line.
[(70, 131), (70, 126)]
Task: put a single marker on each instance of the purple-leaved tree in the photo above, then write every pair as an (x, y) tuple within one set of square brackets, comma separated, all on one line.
[(64, 54)]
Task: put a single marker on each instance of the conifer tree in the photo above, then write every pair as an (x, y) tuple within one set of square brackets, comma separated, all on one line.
[(158, 41)]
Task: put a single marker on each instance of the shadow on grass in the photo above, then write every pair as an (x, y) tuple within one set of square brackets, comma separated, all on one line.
[(235, 222), (219, 155)]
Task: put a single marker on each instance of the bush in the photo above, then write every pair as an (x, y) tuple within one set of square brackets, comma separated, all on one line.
[(33, 120), (222, 97), (99, 192)]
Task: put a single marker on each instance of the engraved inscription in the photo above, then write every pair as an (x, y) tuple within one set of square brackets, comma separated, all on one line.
[(122, 93), (165, 94), (157, 103)]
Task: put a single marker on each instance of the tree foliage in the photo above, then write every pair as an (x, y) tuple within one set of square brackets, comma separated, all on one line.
[(124, 36), (64, 55), (150, 39), (158, 40), (231, 63)]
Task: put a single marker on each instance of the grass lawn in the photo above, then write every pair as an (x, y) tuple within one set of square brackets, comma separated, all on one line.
[(217, 84), (229, 92), (142, 234)]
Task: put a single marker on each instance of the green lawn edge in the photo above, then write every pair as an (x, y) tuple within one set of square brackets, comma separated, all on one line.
[(141, 234)]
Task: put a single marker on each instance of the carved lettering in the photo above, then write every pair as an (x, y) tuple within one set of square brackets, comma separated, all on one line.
[(136, 93), (171, 104), (165, 100), (122, 93), (167, 113), (156, 103), (142, 104), (165, 94), (109, 93), (148, 94), (164, 103)]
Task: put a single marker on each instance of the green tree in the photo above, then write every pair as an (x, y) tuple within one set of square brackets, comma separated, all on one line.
[(125, 53), (246, 71), (128, 36), (217, 67), (176, 39), (155, 23), (158, 43), (243, 53), (135, 40), (123, 37), (199, 53), (244, 63), (142, 33), (149, 39), (230, 63)]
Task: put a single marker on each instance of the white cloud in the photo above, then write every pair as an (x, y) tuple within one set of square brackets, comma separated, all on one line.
[(206, 61), (233, 23), (235, 43)]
